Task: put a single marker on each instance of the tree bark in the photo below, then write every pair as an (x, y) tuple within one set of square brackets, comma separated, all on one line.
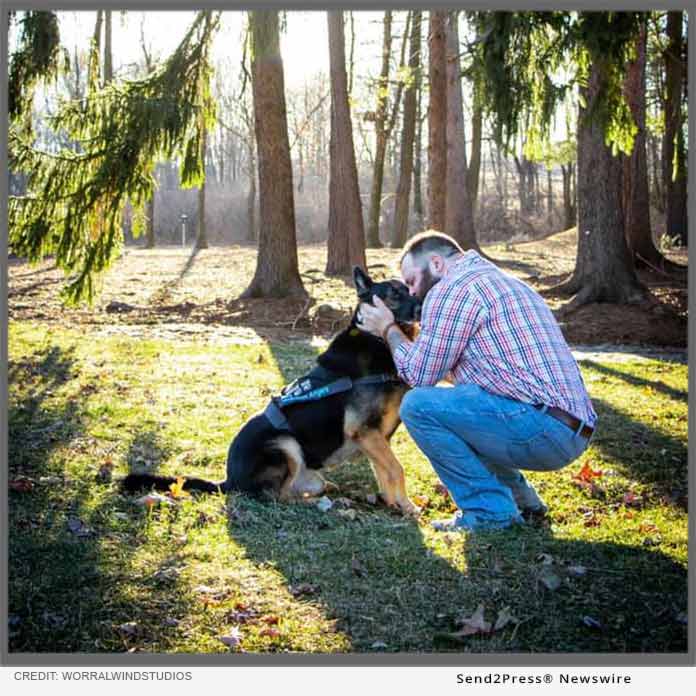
[(150, 223), (346, 243), (673, 155), (474, 169), (108, 54), (437, 122), (417, 166), (400, 230), (373, 240), (604, 270), (635, 186), (277, 272), (202, 236), (459, 215)]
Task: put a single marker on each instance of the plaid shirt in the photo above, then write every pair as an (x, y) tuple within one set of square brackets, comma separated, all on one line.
[(487, 327)]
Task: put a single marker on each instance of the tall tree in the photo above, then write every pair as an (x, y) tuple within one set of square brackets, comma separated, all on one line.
[(400, 229), (346, 243), (636, 196), (459, 214), (519, 52), (108, 53), (437, 121), (277, 269), (673, 149), (201, 231)]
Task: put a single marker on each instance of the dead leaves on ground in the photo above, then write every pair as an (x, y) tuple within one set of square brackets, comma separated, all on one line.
[(476, 624)]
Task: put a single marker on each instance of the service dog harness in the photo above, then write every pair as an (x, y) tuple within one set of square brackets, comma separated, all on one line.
[(318, 384)]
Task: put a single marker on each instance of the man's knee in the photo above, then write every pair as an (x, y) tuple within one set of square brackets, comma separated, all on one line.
[(412, 404)]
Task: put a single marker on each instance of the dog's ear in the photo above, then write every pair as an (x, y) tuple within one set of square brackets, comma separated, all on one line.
[(362, 281)]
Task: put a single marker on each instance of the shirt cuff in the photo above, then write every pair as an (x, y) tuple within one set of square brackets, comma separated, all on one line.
[(401, 358)]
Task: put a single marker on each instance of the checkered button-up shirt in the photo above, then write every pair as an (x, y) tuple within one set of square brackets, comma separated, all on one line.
[(491, 329)]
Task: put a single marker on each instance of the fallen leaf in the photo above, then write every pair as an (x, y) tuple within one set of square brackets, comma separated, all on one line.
[(357, 568), (476, 623), (303, 589), (79, 528), (152, 499), (577, 571), (587, 473), (270, 632), (591, 519), (177, 488), (205, 589), (343, 503), (21, 485), (504, 618), (632, 500), (271, 620), (441, 489), (371, 499), (348, 514), (549, 579), (324, 503), (233, 639), (128, 629), (170, 621), (545, 559), (105, 472), (422, 501), (648, 527), (591, 622), (379, 645)]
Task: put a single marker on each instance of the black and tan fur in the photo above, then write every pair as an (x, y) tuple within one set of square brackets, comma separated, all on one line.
[(284, 465)]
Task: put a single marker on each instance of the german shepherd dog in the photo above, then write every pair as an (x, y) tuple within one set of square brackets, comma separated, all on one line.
[(283, 463)]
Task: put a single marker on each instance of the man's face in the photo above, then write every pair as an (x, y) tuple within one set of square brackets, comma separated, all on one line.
[(418, 276)]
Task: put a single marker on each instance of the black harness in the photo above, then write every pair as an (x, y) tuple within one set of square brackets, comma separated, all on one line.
[(318, 384)]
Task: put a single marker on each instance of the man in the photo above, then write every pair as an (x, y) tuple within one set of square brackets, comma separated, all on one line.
[(518, 400)]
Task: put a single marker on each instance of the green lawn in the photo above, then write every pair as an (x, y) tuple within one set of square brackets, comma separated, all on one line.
[(92, 571)]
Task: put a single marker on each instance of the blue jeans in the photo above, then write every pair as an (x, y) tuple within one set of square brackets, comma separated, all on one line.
[(477, 443)]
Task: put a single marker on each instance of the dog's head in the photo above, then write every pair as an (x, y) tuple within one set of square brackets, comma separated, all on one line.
[(393, 293)]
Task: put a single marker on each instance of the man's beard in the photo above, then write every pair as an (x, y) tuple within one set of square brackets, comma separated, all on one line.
[(428, 281)]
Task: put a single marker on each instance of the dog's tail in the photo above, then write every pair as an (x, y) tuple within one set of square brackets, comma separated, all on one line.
[(136, 482)]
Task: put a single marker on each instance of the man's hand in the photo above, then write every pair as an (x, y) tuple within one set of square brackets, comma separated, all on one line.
[(375, 319)]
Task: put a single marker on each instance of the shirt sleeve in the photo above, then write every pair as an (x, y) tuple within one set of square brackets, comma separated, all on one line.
[(451, 315)]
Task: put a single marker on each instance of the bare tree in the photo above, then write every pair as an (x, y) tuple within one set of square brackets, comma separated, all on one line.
[(437, 122), (346, 244), (400, 229), (459, 215)]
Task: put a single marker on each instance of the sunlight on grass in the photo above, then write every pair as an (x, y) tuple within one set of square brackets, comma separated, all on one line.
[(91, 570)]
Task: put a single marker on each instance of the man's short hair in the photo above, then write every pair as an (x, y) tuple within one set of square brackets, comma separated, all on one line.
[(429, 242)]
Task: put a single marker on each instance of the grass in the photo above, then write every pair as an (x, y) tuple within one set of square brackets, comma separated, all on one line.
[(92, 571)]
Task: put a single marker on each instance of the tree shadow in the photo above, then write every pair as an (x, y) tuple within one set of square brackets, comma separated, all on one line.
[(74, 581), (671, 392), (647, 454), (387, 586)]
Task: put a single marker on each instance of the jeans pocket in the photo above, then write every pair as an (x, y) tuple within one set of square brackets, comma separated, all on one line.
[(543, 452)]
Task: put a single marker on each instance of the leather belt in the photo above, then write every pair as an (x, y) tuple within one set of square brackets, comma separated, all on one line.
[(571, 421)]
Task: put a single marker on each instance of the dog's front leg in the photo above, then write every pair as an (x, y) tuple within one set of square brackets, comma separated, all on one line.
[(388, 470)]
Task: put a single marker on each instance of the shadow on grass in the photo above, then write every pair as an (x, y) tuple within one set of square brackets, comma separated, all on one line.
[(73, 583), (647, 454), (671, 392), (388, 587)]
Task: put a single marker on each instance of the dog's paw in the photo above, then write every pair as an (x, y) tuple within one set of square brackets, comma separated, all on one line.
[(410, 509)]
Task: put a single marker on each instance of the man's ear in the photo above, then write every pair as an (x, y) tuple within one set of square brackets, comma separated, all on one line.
[(362, 281)]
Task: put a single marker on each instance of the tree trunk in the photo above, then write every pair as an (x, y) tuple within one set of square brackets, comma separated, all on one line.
[(150, 223), (202, 236), (400, 231), (417, 156), (108, 55), (459, 216), (437, 122), (604, 270), (277, 273), (346, 243), (474, 169), (373, 217), (635, 185), (673, 155)]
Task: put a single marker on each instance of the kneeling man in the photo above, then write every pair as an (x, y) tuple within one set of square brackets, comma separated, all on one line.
[(518, 400)]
